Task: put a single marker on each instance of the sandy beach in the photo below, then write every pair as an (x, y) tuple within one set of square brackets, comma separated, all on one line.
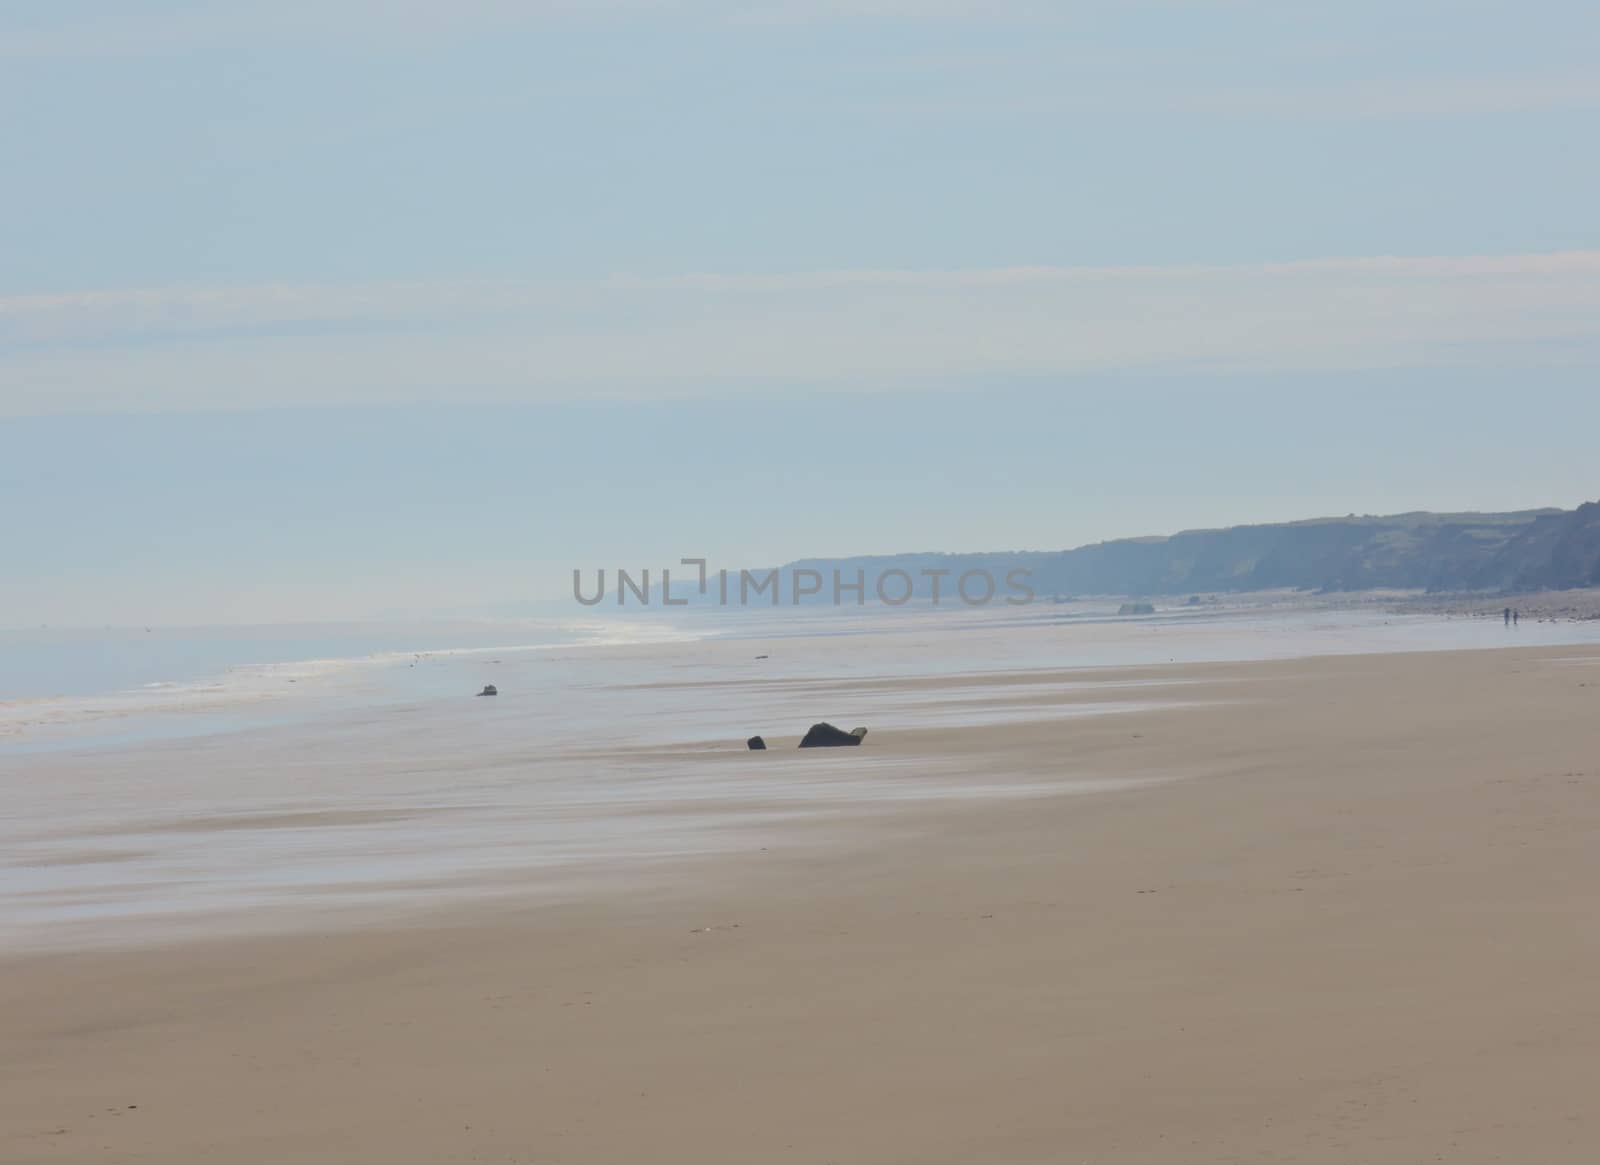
[(1340, 909)]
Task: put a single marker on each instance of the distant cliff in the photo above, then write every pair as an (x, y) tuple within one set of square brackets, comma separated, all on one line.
[(1525, 550), (1553, 552)]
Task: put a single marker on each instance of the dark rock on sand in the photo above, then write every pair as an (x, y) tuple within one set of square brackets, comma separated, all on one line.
[(756, 744), (827, 736)]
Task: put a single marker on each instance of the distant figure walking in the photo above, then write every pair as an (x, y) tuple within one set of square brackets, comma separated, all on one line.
[(1516, 616), (1508, 616)]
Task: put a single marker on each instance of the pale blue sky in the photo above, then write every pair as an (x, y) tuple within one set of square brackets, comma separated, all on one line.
[(314, 309)]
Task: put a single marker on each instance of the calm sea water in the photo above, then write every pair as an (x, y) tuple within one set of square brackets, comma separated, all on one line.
[(49, 663), (115, 686)]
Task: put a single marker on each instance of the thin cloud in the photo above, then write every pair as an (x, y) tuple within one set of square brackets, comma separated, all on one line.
[(99, 314), (113, 29), (1393, 99), (1407, 98), (118, 30), (711, 334)]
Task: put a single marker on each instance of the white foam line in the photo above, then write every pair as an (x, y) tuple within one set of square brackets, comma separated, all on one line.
[(249, 684)]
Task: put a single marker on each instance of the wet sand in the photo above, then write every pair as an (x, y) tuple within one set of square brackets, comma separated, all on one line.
[(1326, 910)]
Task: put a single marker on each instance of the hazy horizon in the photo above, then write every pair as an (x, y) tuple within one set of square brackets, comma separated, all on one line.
[(648, 574)]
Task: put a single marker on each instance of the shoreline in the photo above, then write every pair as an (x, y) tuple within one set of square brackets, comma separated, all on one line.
[(295, 688), (439, 804)]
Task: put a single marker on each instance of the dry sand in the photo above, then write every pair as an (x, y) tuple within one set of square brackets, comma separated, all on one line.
[(1359, 926)]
